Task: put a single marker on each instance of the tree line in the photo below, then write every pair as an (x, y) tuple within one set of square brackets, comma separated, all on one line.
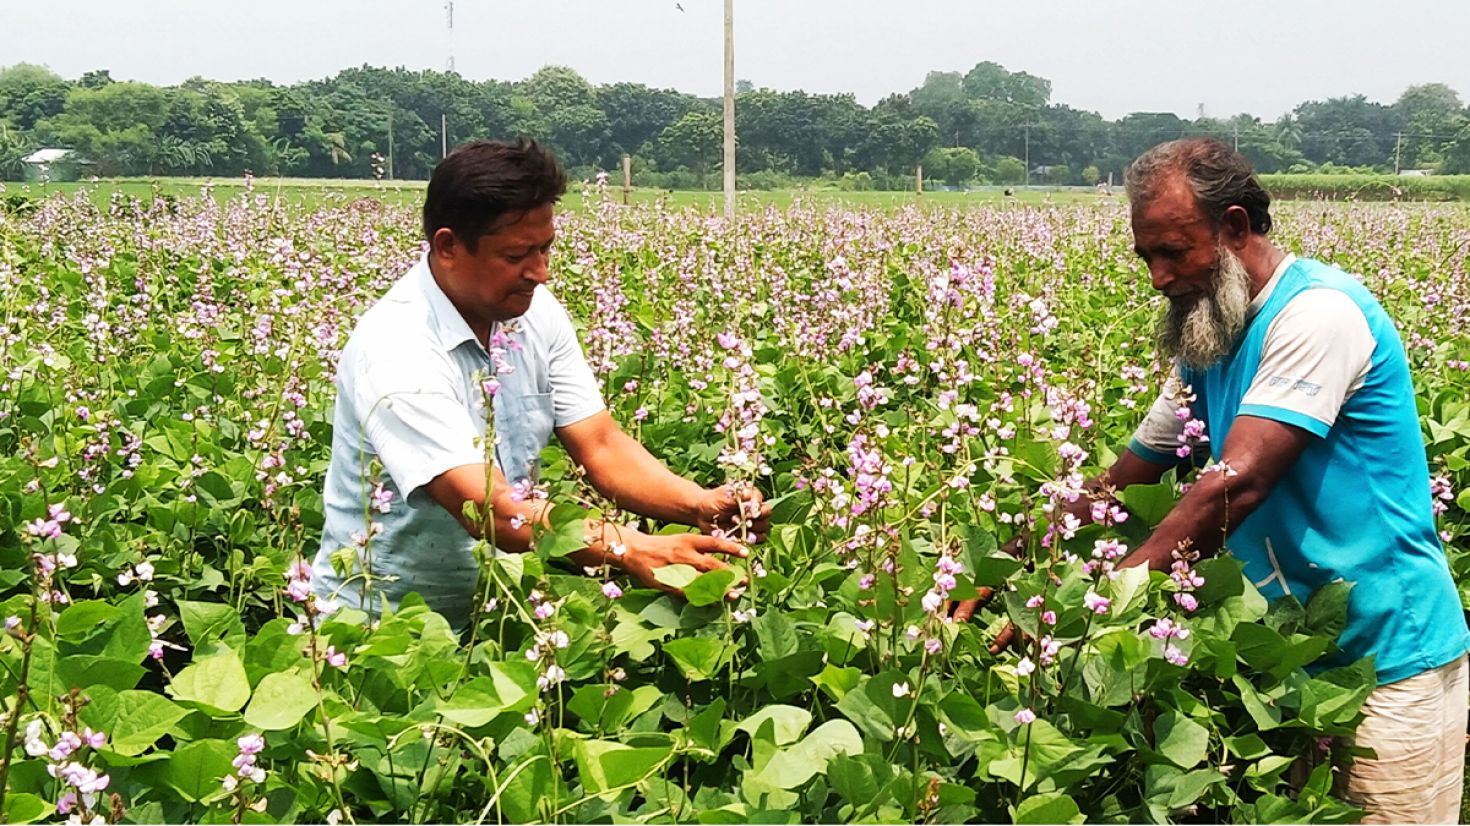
[(987, 125)]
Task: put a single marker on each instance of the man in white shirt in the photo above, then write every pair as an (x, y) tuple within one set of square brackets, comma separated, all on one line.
[(471, 333)]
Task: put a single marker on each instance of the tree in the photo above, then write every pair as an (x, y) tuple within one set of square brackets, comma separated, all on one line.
[(1348, 131), (1431, 115), (30, 93), (955, 165), (636, 114), (1009, 170), (991, 81), (695, 141)]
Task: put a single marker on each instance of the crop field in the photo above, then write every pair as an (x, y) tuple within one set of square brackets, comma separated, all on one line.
[(911, 387), (317, 192)]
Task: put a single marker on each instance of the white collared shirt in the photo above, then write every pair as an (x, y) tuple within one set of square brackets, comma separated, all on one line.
[(409, 396)]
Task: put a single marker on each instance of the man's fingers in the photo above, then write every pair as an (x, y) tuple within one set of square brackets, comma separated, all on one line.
[(983, 596), (965, 609), (1004, 638), (717, 545)]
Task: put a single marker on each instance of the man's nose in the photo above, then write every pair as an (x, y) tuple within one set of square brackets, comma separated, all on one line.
[(538, 268), (1161, 276)]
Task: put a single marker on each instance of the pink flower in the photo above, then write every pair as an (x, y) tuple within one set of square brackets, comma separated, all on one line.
[(335, 658), (1025, 667), (611, 590), (1095, 603), (1025, 716)]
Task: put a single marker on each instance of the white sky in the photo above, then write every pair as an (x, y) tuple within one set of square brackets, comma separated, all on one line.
[(1111, 56)]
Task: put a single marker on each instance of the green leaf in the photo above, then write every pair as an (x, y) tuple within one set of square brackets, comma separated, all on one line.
[(836, 682), (676, 576), (280, 701), (1053, 807), (141, 718), (704, 728), (195, 770), (1262, 709), (1181, 739), (777, 635), (709, 587), (24, 808), (1327, 610), (698, 658), (604, 765), (1260, 647), (788, 723), (84, 617), (965, 716), (83, 670), (791, 767), (217, 684), (608, 712), (862, 779), (1129, 589), (568, 532), (1151, 503), (205, 621), (510, 686), (1463, 500)]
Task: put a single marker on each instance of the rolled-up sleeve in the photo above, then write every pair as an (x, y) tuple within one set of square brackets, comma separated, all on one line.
[(1157, 437), (574, 391), (414, 418)]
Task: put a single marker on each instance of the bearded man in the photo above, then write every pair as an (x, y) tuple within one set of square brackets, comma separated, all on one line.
[(1319, 473)]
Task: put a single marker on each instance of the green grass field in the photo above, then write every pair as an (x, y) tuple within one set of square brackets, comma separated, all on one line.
[(315, 191)]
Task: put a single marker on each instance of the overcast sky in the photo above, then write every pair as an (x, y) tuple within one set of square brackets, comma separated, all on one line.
[(1111, 56)]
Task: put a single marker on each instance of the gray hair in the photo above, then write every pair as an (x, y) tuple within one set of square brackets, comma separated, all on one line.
[(1219, 176)]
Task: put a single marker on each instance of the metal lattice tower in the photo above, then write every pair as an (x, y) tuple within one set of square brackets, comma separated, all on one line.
[(449, 27)]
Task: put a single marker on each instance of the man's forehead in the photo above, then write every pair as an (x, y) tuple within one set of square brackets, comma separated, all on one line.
[(1172, 209), (531, 227)]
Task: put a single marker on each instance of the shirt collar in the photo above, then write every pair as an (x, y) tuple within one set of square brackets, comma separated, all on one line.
[(1265, 294), (449, 325)]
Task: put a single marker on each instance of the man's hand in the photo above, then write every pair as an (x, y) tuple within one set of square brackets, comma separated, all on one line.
[(722, 509), (965, 609), (647, 553)]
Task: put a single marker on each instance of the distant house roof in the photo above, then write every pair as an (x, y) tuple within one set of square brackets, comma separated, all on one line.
[(1416, 173), (41, 156)]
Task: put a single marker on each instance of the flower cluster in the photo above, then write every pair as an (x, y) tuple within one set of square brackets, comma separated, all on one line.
[(67, 760), (246, 768)]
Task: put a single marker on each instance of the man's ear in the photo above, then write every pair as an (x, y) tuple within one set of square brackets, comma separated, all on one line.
[(1236, 226), (445, 244)]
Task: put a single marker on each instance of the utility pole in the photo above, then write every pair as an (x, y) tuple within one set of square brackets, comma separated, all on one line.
[(443, 135), (730, 109), (1398, 146), (1028, 154), (1237, 137), (627, 179), (919, 182), (390, 144)]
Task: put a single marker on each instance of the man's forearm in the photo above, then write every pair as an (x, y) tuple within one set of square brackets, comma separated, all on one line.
[(636, 481), (1203, 518)]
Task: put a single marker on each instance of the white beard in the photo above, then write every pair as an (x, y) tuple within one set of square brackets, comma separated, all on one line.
[(1205, 332)]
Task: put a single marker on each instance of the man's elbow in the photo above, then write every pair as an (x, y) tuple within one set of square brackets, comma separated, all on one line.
[(1245, 491)]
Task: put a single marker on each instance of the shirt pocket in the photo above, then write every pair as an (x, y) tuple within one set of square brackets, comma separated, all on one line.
[(523, 426)]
